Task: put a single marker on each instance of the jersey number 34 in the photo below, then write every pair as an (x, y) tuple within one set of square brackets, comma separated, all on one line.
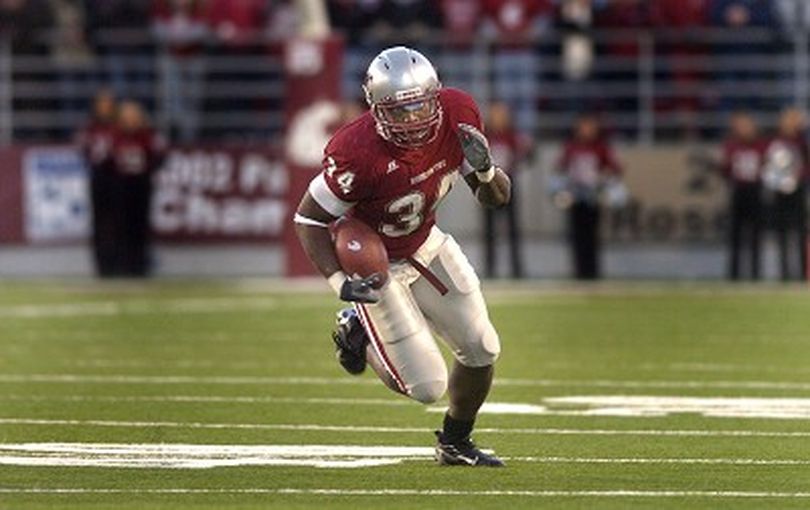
[(408, 211)]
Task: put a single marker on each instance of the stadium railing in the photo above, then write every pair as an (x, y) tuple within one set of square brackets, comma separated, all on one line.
[(648, 85)]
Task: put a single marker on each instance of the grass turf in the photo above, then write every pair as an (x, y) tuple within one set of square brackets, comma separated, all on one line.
[(137, 363)]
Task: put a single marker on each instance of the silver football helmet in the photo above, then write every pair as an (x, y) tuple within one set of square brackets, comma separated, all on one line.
[(402, 90)]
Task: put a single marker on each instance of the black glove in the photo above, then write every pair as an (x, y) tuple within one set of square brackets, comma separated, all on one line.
[(475, 147), (361, 290)]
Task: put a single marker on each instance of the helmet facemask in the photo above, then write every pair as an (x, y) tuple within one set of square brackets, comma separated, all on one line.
[(411, 122)]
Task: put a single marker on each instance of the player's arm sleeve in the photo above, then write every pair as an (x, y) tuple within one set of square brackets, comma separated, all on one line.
[(339, 186)]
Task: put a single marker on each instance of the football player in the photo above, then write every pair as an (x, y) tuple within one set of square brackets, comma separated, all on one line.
[(390, 168)]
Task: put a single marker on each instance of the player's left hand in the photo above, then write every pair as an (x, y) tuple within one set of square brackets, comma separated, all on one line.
[(475, 147)]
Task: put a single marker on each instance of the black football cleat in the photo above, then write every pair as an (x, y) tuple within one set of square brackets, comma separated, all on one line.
[(463, 453), (350, 341)]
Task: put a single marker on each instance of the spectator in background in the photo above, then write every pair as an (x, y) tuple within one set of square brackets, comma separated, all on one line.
[(517, 24), (462, 23), (26, 25), (587, 163), (73, 62), (743, 154), (137, 153), (353, 18), (509, 148), (682, 53), (741, 15), (630, 16), (181, 27), (408, 21), (118, 31), (238, 25), (785, 175), (239, 30), (576, 21), (95, 140)]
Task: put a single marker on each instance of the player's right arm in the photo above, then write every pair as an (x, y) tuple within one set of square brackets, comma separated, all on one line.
[(330, 194)]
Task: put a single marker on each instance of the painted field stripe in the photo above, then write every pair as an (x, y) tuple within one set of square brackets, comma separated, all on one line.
[(182, 379), (213, 399), (201, 456), (415, 430), (95, 308), (618, 493), (330, 381), (671, 460)]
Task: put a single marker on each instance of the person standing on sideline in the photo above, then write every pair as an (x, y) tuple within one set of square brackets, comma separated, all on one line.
[(587, 164), (95, 141), (508, 148), (743, 154), (138, 152), (785, 176)]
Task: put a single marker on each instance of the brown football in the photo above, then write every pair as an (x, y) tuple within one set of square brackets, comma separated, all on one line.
[(359, 249)]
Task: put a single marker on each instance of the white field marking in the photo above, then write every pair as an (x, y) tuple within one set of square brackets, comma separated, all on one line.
[(618, 493), (725, 368), (645, 407), (183, 379), (163, 306), (201, 456), (712, 407), (386, 402), (415, 430), (146, 363), (330, 381)]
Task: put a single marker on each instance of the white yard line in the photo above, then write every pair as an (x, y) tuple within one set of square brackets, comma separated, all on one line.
[(619, 493), (329, 381), (392, 402), (163, 306), (201, 456), (415, 430), (649, 460)]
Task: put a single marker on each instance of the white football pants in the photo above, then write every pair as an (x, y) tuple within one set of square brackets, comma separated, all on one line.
[(401, 324)]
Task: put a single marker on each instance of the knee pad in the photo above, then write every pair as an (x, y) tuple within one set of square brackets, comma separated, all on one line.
[(428, 392), (482, 346)]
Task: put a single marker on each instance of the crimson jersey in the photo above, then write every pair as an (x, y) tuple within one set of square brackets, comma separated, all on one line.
[(137, 153), (585, 162), (743, 160), (394, 190), (95, 142)]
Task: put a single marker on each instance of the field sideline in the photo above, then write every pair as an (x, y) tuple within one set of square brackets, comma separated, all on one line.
[(175, 394)]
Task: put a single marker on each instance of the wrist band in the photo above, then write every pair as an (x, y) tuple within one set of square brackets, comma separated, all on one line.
[(336, 281), (485, 177)]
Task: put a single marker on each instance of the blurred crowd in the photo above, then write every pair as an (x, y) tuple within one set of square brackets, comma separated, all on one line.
[(123, 37)]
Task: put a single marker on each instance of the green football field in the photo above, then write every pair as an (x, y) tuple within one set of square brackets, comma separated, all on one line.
[(226, 395)]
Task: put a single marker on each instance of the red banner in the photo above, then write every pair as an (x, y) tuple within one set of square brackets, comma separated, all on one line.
[(313, 73), (221, 195), (200, 195)]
